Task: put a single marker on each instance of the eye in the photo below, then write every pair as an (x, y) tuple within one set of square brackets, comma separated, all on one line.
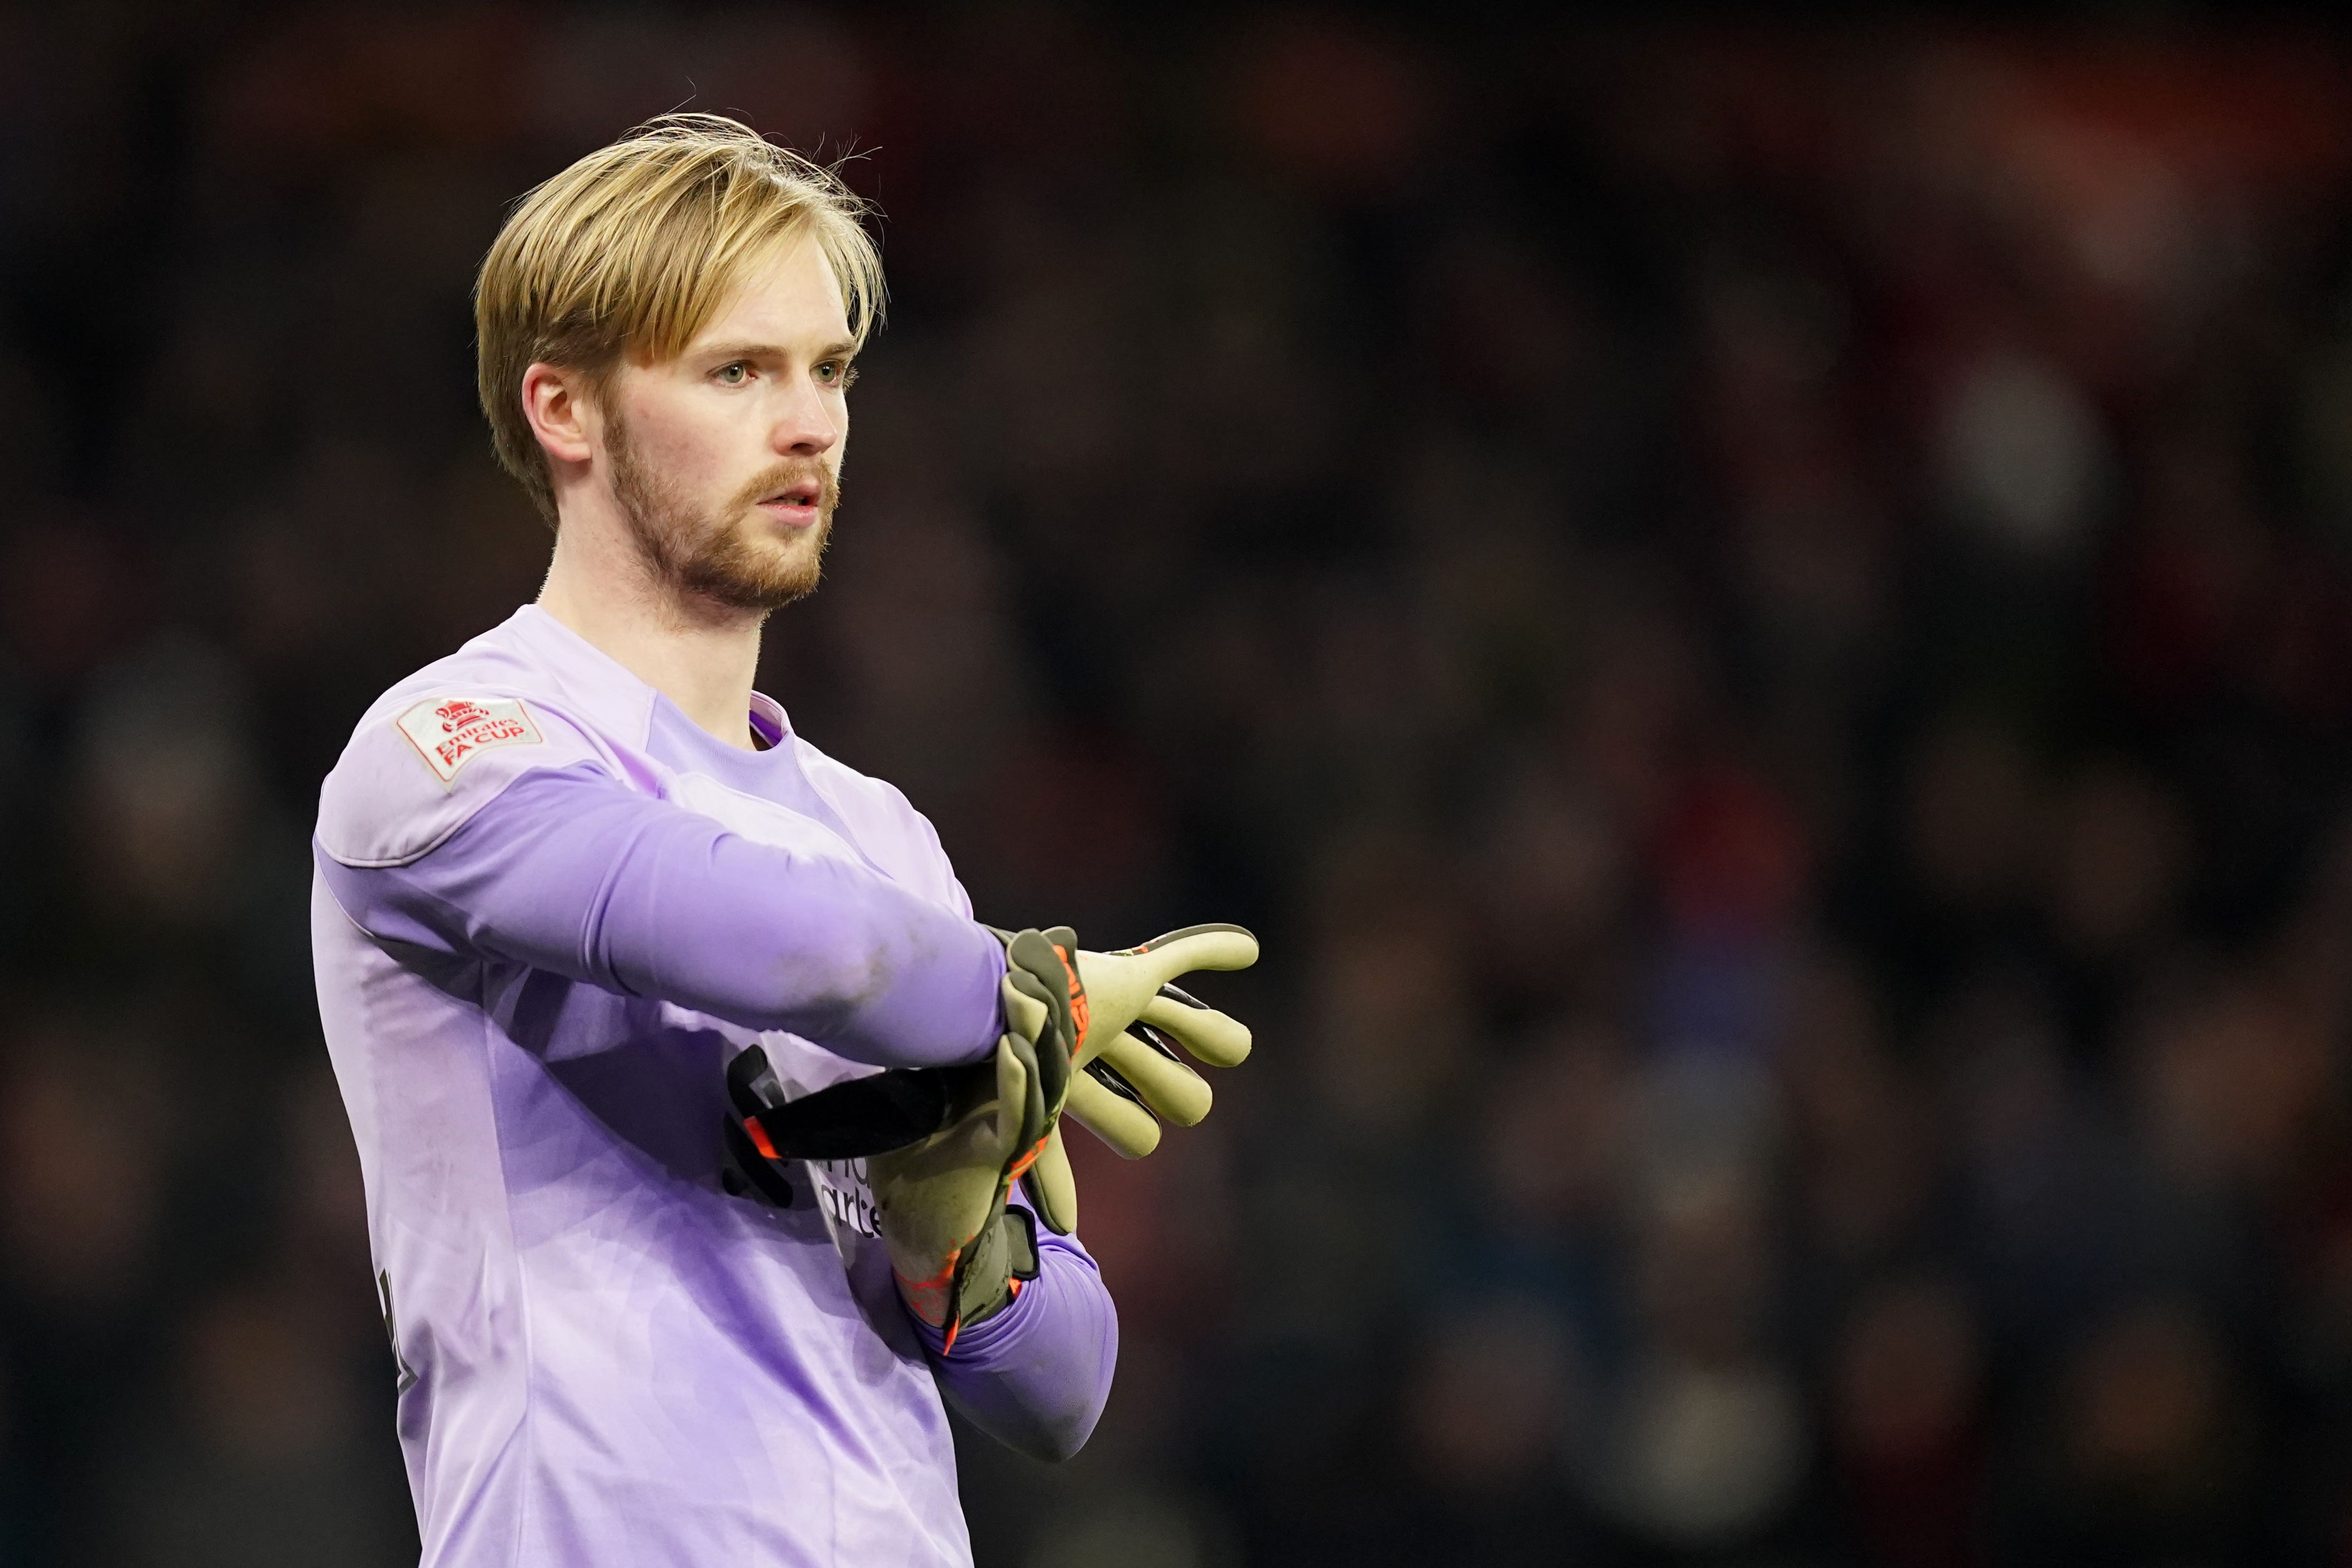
[(732, 374), (835, 373)]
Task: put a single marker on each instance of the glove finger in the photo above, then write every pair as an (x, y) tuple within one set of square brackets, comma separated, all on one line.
[(1052, 1187), (1127, 1127), (1027, 1010), (1170, 1090), (1040, 964), (1196, 947), (1120, 984), (1214, 1038), (1016, 1111)]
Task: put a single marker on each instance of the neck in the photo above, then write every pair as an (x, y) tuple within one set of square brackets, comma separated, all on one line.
[(699, 654)]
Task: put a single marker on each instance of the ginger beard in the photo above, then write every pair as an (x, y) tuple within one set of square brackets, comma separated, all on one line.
[(731, 556)]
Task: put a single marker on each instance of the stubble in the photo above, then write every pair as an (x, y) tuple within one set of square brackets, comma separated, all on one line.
[(722, 556)]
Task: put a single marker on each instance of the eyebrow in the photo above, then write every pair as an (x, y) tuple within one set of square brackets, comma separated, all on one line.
[(772, 350)]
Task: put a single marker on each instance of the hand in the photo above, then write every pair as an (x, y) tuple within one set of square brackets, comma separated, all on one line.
[(1132, 1079), (941, 1201), (1128, 1019), (952, 1141)]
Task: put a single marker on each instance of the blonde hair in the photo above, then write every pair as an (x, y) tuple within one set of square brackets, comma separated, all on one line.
[(634, 246)]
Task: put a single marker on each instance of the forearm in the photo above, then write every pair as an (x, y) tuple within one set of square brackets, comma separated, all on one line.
[(564, 872), (1035, 1376)]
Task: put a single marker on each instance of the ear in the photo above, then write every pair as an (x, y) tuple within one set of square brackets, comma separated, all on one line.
[(561, 414)]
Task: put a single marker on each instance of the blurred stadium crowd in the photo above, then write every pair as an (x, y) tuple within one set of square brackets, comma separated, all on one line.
[(1761, 617)]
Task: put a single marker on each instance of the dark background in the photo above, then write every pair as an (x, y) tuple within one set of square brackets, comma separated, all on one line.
[(1760, 614)]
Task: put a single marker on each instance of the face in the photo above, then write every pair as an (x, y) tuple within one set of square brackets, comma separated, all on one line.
[(726, 461)]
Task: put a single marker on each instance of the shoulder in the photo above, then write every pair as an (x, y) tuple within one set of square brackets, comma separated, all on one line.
[(438, 746), (887, 827)]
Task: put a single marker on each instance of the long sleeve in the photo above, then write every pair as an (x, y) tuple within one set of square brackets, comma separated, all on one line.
[(1035, 1375), (567, 870)]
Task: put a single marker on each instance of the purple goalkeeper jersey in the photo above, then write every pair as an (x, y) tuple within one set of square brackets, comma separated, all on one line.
[(548, 910)]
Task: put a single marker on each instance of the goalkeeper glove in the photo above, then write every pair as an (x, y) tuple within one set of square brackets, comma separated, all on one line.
[(939, 1197), (1134, 1017)]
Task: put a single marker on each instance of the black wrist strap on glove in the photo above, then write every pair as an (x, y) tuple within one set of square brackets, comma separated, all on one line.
[(750, 1170), (850, 1120), (880, 1112)]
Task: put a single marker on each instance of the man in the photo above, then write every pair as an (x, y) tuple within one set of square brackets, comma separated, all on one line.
[(589, 916)]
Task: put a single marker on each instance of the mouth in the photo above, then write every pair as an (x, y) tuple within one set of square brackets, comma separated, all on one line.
[(795, 504)]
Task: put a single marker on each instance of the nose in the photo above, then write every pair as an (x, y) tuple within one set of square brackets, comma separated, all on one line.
[(807, 423)]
